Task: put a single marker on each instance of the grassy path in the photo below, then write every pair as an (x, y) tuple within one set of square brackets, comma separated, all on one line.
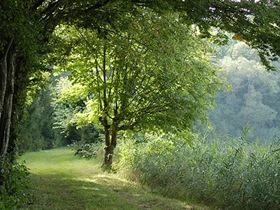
[(61, 181)]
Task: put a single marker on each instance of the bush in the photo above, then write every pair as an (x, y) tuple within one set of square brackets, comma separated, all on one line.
[(233, 174), (88, 150), (13, 190)]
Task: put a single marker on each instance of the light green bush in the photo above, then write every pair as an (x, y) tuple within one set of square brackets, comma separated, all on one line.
[(231, 174)]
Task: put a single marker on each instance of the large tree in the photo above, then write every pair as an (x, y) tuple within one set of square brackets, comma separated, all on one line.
[(152, 73)]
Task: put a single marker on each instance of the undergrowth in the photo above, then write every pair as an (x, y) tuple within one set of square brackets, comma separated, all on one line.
[(232, 174), (13, 189), (87, 150)]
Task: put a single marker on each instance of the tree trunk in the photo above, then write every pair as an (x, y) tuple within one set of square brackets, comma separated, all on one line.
[(7, 95), (111, 143), (7, 78), (4, 77), (8, 106), (108, 157)]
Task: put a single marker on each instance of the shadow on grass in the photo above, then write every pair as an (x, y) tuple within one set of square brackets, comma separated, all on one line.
[(64, 192), (59, 191)]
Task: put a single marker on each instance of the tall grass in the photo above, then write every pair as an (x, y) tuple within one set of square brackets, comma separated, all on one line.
[(230, 174)]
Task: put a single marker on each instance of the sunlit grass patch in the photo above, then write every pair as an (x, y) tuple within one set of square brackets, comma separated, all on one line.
[(61, 181)]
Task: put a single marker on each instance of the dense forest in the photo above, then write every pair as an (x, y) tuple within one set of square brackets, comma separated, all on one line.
[(251, 101), (127, 104)]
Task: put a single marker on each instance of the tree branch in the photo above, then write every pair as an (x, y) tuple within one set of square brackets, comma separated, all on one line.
[(37, 4)]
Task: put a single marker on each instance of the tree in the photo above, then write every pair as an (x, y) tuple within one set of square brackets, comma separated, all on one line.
[(140, 77), (67, 100), (35, 131)]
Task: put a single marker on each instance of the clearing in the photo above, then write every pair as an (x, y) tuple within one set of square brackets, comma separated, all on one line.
[(61, 181)]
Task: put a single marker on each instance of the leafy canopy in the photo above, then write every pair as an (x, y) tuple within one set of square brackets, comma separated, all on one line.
[(151, 72)]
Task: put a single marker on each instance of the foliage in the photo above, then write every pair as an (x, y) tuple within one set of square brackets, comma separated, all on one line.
[(46, 123), (13, 190), (254, 99), (67, 101), (36, 128), (231, 174), (137, 80)]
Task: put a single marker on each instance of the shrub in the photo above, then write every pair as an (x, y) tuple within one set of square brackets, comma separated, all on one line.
[(13, 190), (88, 150), (230, 174)]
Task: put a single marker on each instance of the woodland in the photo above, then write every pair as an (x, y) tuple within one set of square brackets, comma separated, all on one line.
[(139, 104)]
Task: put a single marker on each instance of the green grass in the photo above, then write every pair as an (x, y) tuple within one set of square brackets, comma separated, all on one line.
[(61, 181)]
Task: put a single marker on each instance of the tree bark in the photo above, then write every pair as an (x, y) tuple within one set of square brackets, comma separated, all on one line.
[(108, 157), (9, 108), (110, 145), (3, 77), (7, 78), (3, 85), (7, 95)]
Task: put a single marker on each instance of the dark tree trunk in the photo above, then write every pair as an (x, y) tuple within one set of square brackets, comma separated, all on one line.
[(108, 151), (7, 96), (4, 78), (7, 78), (108, 157), (110, 145)]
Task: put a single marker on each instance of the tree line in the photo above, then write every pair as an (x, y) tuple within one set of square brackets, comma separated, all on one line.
[(251, 103)]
